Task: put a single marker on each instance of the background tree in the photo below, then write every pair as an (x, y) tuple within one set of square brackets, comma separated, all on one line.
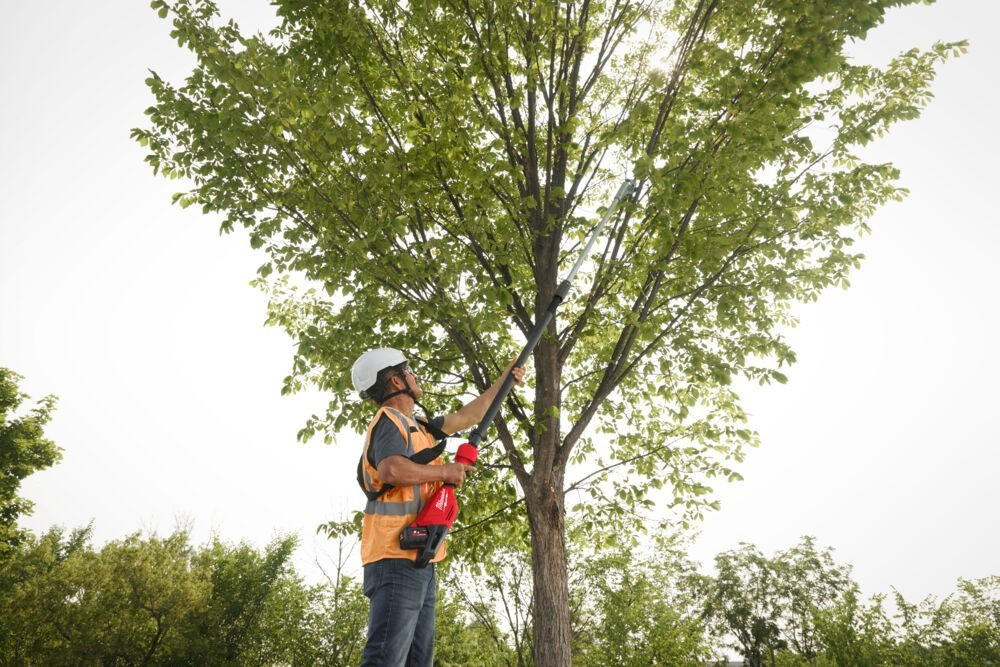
[(130, 603), (637, 606), (809, 580), (496, 595), (744, 601), (254, 608), (770, 605), (24, 449), (431, 164), (853, 633), (339, 621), (333, 630), (26, 629), (466, 637), (975, 637), (160, 600)]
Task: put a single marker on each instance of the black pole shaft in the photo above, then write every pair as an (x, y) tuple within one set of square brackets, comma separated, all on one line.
[(536, 334)]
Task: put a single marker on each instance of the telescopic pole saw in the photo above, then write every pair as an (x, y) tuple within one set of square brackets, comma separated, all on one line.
[(428, 530)]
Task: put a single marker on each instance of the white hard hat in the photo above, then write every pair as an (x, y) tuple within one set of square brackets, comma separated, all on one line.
[(364, 373)]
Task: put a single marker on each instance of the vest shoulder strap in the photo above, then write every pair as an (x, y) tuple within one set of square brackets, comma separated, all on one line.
[(433, 430)]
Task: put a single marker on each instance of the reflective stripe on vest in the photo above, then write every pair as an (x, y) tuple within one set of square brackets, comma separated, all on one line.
[(396, 509)]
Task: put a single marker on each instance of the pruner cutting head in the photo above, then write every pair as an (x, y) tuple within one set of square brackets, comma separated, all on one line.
[(628, 187)]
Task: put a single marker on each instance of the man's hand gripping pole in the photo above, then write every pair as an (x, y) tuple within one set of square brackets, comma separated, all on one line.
[(428, 530)]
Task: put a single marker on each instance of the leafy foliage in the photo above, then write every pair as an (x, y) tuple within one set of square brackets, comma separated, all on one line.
[(24, 449), (852, 633), (638, 607), (162, 601), (496, 596), (430, 164), (464, 637), (242, 584), (975, 632), (769, 604), (800, 608)]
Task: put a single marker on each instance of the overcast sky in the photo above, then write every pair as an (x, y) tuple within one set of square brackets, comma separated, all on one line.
[(139, 317)]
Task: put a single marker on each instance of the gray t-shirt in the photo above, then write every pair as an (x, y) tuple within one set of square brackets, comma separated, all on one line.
[(388, 441)]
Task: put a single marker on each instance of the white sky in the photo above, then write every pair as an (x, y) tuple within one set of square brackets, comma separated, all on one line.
[(140, 318)]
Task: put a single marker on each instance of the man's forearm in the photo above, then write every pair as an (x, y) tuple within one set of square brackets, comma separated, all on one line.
[(476, 408), (401, 471), (472, 412)]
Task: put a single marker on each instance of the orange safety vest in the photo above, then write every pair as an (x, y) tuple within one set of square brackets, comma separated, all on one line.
[(387, 515)]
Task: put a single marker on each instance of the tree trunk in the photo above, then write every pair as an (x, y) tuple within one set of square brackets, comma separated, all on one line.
[(552, 632)]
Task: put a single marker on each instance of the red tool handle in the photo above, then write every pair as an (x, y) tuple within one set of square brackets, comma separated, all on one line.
[(466, 454)]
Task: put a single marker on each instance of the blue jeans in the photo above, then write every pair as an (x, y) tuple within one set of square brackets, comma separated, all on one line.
[(401, 618)]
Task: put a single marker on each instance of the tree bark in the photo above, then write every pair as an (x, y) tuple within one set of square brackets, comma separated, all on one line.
[(544, 493), (552, 631)]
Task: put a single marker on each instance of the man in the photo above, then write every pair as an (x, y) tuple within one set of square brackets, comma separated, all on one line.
[(401, 616)]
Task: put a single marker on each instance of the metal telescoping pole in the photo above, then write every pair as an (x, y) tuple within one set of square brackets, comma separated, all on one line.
[(626, 188)]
